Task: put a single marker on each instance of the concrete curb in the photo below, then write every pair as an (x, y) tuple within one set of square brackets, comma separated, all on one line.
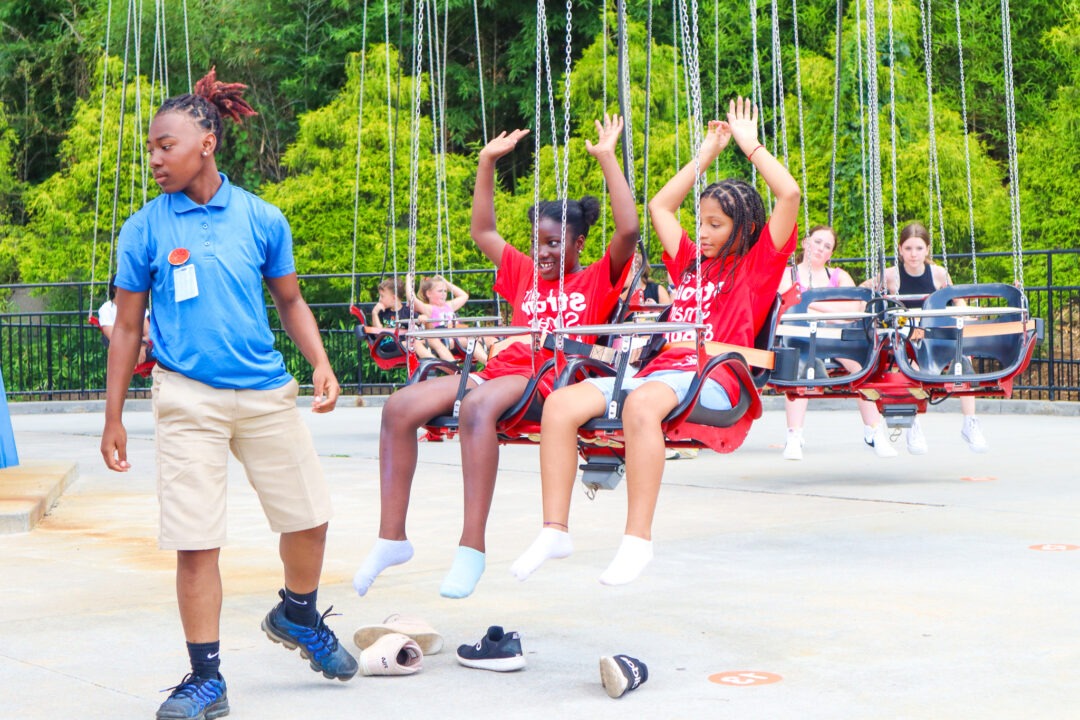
[(29, 490)]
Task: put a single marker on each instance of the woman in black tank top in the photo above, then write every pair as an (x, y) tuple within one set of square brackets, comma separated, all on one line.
[(905, 279)]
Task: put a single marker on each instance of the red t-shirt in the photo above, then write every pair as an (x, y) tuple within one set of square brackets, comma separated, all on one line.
[(734, 307), (588, 298)]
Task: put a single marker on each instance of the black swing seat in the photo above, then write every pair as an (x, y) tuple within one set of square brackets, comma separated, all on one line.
[(821, 341), (997, 333)]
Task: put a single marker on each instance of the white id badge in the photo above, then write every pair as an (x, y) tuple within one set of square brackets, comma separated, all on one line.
[(185, 286)]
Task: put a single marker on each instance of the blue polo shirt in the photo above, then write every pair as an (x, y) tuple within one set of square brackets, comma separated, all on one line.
[(221, 336)]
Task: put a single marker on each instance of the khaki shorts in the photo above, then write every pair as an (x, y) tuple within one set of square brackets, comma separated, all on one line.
[(196, 427)]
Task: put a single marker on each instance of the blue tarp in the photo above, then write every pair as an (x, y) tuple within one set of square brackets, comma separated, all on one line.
[(8, 455)]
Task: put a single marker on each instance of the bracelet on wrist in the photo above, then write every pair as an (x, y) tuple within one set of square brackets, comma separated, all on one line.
[(750, 157)]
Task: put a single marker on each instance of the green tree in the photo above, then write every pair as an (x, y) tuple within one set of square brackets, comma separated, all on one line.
[(319, 195), (9, 189), (62, 231), (1049, 193)]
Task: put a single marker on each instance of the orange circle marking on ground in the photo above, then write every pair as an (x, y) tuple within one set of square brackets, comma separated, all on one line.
[(978, 478), (1054, 547), (744, 677)]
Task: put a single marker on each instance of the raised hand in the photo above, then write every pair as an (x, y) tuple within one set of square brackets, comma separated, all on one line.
[(501, 144), (607, 135), (742, 120), (716, 139)]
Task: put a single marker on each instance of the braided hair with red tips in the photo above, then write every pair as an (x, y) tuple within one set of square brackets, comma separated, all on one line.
[(211, 101)]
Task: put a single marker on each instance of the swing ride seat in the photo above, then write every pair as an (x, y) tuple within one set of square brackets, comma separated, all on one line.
[(1000, 333), (821, 341), (690, 424), (385, 348), (142, 369)]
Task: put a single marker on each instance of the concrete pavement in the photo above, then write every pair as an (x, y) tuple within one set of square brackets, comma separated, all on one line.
[(903, 588)]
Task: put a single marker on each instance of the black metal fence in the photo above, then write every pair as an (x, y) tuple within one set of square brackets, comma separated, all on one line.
[(58, 355)]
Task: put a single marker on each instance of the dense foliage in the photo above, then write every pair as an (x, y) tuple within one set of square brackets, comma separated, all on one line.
[(309, 75)]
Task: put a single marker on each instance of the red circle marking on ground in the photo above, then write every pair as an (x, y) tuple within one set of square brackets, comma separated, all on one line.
[(978, 478), (744, 677), (1054, 547)]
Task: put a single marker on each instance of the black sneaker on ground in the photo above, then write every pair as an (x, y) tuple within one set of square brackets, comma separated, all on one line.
[(498, 651), (619, 674), (196, 698), (318, 644)]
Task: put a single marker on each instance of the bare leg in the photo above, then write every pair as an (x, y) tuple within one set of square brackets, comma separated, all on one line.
[(402, 416), (302, 555), (480, 411), (439, 348), (565, 410), (644, 409), (795, 411), (198, 594)]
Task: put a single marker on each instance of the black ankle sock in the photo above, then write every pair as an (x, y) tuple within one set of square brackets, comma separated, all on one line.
[(205, 660), (300, 608)]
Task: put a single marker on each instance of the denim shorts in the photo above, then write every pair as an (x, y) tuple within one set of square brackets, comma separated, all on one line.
[(713, 395)]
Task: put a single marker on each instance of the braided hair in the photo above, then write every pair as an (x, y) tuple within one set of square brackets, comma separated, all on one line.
[(741, 202), (211, 100), (580, 214)]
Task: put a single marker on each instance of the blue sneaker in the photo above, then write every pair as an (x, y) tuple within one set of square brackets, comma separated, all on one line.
[(499, 651), (196, 698), (317, 644)]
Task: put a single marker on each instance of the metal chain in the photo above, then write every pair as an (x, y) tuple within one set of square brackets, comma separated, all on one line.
[(541, 42), (565, 160), (187, 47), (934, 170), (692, 73), (480, 70), (1014, 166), (868, 248), (874, 134), (435, 90), (391, 142), (967, 144), (101, 150), (892, 138), (628, 123), (802, 134), (645, 132), (836, 109), (414, 125), (359, 145), (755, 84)]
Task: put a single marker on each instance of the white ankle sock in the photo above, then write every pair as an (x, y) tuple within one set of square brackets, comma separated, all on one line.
[(634, 554), (383, 555), (549, 544)]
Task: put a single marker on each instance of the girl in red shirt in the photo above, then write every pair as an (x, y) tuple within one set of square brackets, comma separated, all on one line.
[(741, 261), (589, 295)]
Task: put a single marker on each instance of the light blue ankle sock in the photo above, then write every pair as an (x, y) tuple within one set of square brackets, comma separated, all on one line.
[(464, 573)]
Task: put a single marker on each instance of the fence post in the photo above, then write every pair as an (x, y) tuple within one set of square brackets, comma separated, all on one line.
[(1051, 370)]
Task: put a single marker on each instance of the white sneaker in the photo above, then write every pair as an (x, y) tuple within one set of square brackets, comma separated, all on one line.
[(391, 654), (916, 441), (793, 446), (879, 440), (972, 433)]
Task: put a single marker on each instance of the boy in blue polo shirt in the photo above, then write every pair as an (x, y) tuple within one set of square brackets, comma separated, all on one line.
[(203, 249)]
